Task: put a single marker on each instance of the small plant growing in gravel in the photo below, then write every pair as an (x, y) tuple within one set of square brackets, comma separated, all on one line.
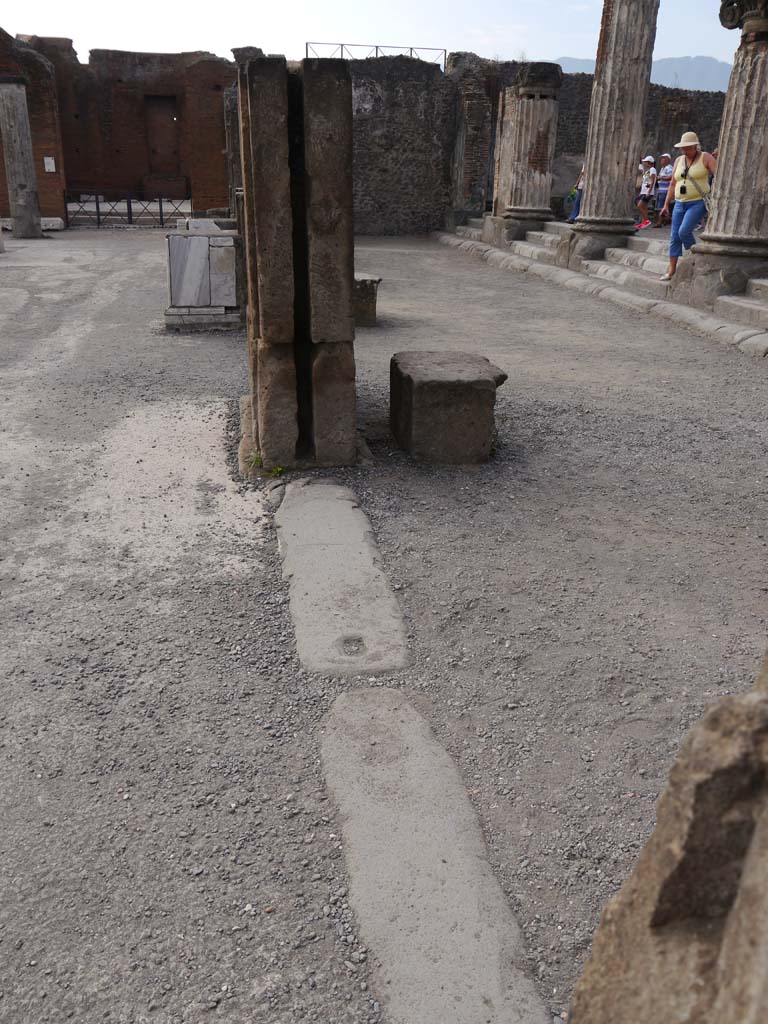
[(255, 461), (276, 471)]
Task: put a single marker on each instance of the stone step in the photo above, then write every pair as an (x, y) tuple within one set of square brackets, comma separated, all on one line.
[(743, 310), (539, 253), (557, 227), (637, 281), (475, 222), (542, 238), (654, 246), (637, 260), (757, 288), (474, 234)]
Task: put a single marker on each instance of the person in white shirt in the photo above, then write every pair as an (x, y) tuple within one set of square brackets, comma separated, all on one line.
[(666, 170), (647, 190)]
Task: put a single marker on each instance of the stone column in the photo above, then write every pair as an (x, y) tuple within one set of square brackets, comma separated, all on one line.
[(734, 246), (19, 159), (615, 133), (525, 149), (534, 132)]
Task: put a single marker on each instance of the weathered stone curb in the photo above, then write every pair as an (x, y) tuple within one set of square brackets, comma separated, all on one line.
[(751, 340)]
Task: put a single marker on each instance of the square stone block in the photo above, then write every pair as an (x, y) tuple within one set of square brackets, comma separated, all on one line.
[(441, 405), (189, 274), (366, 289)]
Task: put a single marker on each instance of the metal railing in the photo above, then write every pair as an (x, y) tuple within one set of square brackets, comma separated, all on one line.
[(362, 51), (106, 208)]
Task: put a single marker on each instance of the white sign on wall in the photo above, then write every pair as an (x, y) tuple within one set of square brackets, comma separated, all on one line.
[(50, 164)]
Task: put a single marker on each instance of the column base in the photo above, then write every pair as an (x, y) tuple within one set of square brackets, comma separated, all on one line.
[(499, 232), (590, 239), (705, 275)]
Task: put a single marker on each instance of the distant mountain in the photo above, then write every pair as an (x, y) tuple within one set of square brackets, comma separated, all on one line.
[(705, 73)]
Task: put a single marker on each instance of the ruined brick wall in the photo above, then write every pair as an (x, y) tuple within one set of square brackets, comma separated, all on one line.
[(18, 59), (669, 113), (479, 83), (103, 109), (404, 113)]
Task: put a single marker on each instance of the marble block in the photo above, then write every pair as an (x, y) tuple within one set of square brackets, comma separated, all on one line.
[(188, 270), (222, 270)]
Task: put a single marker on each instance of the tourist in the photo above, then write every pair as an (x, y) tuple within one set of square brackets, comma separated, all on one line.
[(662, 188), (691, 174), (647, 190), (579, 188)]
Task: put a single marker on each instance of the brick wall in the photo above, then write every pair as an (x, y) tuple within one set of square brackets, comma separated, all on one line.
[(404, 123), (18, 59), (104, 118)]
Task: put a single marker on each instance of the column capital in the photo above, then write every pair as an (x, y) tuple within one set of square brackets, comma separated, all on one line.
[(748, 15)]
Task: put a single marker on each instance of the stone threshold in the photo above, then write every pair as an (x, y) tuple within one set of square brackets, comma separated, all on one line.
[(750, 340)]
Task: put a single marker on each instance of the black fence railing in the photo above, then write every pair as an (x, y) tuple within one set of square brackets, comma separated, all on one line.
[(361, 51), (107, 208)]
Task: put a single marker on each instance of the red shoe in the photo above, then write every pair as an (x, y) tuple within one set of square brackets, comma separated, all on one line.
[(644, 224)]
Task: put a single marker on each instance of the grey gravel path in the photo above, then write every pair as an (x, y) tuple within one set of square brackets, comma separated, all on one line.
[(571, 608)]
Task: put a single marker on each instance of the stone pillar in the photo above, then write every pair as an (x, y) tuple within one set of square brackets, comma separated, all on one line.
[(19, 159), (533, 110), (525, 149), (734, 246), (615, 133)]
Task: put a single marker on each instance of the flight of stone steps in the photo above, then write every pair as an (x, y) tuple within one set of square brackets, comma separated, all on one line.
[(636, 268)]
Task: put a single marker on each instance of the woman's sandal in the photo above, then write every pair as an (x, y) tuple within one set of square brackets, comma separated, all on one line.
[(666, 277)]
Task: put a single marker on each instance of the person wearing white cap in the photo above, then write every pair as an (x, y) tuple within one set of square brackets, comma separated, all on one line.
[(691, 176), (662, 187), (647, 190)]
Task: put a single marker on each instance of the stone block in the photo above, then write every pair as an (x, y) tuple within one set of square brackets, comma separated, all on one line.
[(223, 270), (366, 290), (685, 939), (269, 199), (333, 403), (190, 283), (277, 405), (441, 405), (328, 163)]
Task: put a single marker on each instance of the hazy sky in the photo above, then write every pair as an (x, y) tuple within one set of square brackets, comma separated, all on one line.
[(539, 29)]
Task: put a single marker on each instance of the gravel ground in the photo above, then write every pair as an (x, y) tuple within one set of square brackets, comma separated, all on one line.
[(168, 853)]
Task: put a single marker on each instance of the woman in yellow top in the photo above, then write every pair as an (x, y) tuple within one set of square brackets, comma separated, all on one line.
[(691, 177)]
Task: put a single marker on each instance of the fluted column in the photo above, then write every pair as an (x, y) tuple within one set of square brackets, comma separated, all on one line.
[(616, 116), (534, 132), (19, 159), (738, 221)]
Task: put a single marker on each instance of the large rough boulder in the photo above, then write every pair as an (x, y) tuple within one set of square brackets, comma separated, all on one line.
[(686, 939)]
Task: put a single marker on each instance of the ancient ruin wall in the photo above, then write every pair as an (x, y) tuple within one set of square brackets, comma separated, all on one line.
[(404, 114), (103, 110), (19, 60)]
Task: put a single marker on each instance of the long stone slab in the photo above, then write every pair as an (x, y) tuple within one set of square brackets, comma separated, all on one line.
[(346, 617), (444, 945)]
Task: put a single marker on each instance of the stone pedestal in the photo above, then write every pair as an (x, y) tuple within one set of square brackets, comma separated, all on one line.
[(19, 159), (526, 148), (734, 246), (615, 133), (366, 290), (441, 405)]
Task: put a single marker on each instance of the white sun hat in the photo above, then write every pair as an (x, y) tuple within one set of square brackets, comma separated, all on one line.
[(649, 160), (688, 139)]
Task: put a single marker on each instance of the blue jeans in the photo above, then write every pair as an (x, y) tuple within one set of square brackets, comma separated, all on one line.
[(685, 217), (576, 204)]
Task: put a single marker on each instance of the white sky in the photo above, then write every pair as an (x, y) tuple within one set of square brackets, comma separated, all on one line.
[(507, 29)]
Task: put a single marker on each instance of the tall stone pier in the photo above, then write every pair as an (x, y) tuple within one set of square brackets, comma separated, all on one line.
[(19, 159), (296, 147), (615, 133), (734, 246), (526, 134)]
